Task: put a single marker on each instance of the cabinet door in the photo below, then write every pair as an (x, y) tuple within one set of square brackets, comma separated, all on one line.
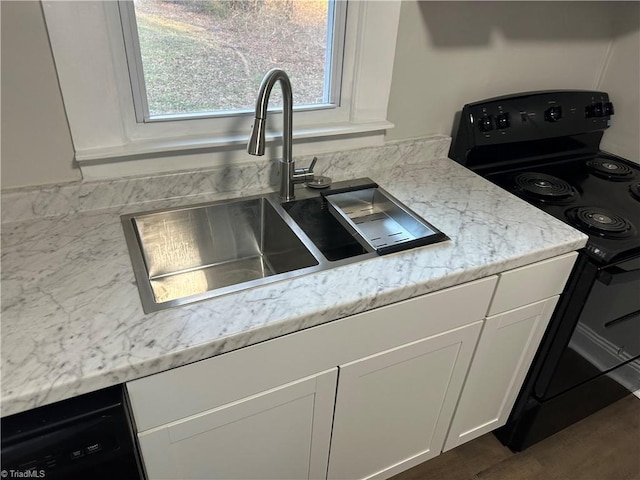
[(283, 433), (393, 409), (506, 348)]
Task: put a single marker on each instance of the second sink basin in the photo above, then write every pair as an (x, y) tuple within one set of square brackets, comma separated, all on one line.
[(326, 233)]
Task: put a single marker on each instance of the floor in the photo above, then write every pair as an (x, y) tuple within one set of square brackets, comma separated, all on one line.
[(604, 446)]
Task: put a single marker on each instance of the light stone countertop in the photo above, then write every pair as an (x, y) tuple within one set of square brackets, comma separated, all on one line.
[(72, 321)]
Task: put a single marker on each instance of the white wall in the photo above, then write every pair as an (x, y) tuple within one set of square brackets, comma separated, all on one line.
[(452, 53), (621, 78), (36, 143)]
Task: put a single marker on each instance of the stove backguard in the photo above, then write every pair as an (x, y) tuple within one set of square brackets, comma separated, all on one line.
[(530, 128)]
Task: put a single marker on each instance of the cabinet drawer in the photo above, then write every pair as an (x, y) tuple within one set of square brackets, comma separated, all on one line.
[(191, 389), (532, 283)]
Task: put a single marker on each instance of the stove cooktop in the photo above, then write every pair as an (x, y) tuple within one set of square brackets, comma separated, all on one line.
[(599, 195)]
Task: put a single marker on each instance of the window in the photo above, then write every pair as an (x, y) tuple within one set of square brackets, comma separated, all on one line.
[(204, 58), (104, 89)]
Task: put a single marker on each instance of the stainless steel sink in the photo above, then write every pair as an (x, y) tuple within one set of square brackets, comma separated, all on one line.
[(187, 254)]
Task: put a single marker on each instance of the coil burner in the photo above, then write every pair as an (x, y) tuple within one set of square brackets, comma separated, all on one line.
[(634, 189), (545, 188), (599, 221), (610, 169)]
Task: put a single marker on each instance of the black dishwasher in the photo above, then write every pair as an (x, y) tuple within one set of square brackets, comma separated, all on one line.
[(86, 437)]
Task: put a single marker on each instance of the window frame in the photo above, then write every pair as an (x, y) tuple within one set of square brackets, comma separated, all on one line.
[(87, 42)]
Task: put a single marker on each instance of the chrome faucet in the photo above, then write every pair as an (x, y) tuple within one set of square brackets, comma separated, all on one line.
[(289, 174)]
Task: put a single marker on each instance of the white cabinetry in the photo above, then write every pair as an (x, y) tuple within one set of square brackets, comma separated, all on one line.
[(503, 356), (283, 433), (367, 396), (266, 411), (393, 409), (520, 311), (531, 283)]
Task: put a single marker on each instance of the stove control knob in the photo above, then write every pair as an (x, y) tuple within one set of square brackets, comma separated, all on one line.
[(588, 111), (502, 121), (608, 108), (598, 109), (553, 114), (485, 123)]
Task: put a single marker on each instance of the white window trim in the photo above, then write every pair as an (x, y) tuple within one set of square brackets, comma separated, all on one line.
[(88, 47)]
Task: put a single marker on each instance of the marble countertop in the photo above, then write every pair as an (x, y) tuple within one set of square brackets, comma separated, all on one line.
[(72, 321)]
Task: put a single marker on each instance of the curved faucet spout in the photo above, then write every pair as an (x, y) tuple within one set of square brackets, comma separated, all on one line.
[(289, 175), (257, 140)]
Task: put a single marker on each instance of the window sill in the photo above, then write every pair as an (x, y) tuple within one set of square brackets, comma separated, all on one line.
[(145, 157)]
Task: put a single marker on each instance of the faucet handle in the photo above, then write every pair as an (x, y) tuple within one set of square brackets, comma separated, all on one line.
[(308, 170), (302, 175)]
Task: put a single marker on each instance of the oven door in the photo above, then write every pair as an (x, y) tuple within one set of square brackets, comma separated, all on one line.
[(607, 334)]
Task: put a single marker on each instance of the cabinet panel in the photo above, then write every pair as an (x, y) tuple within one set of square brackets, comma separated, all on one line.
[(283, 433), (532, 283), (393, 409), (507, 345)]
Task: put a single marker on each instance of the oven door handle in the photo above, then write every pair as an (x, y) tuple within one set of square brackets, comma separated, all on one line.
[(624, 318), (617, 275)]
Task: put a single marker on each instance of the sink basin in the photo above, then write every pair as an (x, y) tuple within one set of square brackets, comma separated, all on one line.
[(221, 247), (326, 233)]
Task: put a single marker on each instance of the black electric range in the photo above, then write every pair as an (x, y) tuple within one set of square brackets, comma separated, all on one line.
[(544, 147)]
